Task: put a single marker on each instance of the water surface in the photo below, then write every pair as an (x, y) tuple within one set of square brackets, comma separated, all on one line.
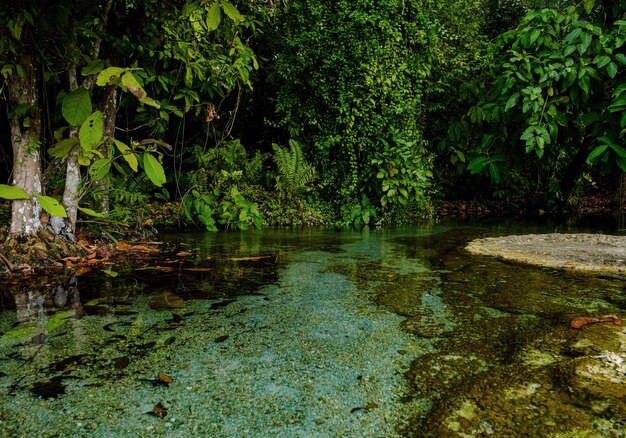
[(305, 333)]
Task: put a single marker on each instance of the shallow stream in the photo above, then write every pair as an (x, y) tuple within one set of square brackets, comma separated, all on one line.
[(315, 333)]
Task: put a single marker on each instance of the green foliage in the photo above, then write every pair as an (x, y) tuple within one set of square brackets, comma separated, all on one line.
[(559, 89), (358, 214), (213, 197), (229, 209), (402, 170), (348, 74), (201, 207), (294, 173)]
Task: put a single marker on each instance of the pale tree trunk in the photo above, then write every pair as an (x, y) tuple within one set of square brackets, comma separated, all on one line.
[(61, 226), (27, 174)]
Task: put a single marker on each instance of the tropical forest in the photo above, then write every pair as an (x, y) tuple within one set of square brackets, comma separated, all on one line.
[(312, 218)]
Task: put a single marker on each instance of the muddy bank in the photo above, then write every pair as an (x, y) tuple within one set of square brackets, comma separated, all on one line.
[(585, 252)]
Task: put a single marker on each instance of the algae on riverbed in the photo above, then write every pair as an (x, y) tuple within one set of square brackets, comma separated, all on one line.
[(349, 334)]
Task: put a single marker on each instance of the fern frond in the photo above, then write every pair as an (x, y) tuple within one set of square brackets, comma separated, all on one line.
[(294, 173)]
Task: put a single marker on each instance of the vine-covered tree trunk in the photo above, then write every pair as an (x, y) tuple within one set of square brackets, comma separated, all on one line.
[(109, 111), (25, 139)]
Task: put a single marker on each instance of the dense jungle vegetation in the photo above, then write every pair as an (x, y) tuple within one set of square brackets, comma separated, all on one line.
[(239, 113)]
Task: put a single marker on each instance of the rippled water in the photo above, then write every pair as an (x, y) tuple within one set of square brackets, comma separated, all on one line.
[(305, 333)]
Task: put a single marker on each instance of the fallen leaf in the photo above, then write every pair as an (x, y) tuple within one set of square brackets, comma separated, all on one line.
[(183, 254), (82, 271), (124, 246), (164, 378), (158, 411)]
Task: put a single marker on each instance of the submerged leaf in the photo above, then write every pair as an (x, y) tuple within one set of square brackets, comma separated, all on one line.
[(158, 411), (164, 379)]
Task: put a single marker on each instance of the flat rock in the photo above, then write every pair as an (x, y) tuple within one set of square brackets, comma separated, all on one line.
[(585, 252)]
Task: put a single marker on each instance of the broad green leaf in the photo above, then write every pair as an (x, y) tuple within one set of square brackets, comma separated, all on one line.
[(477, 165), (188, 77), (63, 148), (591, 118), (153, 169), (534, 35), (76, 106), (12, 192), (494, 172), (618, 105), (231, 11), (511, 102), (572, 36), (99, 169), (110, 273), (94, 67), (597, 152), (619, 150), (90, 212), (151, 102), (585, 42), (84, 159), (109, 75), (601, 61), (51, 206), (127, 154), (611, 69), (589, 6), (584, 84), (214, 17), (621, 58), (91, 131), (129, 80)]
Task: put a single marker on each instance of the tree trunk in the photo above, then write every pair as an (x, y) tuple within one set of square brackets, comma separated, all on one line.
[(60, 226), (27, 174), (109, 111)]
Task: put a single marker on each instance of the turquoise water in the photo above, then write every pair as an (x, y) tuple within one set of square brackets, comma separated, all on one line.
[(315, 333)]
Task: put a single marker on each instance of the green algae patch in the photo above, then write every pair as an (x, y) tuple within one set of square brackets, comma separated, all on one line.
[(24, 333)]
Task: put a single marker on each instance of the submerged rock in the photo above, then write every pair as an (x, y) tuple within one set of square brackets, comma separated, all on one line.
[(586, 252), (167, 300)]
